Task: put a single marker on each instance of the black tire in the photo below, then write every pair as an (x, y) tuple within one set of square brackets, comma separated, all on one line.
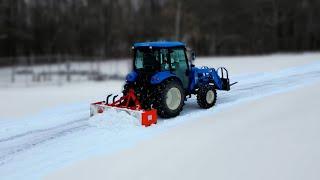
[(164, 110), (202, 99)]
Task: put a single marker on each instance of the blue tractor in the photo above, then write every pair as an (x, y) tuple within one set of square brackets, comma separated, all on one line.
[(164, 76)]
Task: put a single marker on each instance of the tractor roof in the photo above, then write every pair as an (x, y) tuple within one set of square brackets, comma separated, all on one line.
[(159, 44)]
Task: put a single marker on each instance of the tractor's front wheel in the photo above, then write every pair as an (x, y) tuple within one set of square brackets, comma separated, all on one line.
[(206, 96), (170, 99)]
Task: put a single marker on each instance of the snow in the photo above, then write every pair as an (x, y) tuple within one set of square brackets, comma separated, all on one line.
[(119, 67), (26, 102), (244, 65), (258, 140), (45, 98), (113, 120), (54, 130)]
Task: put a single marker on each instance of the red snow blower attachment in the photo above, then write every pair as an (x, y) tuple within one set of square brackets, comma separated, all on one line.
[(128, 103)]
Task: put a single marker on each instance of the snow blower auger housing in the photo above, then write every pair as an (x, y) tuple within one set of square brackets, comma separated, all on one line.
[(162, 78)]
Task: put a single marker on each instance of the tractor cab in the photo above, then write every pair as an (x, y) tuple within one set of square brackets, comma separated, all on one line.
[(155, 57)]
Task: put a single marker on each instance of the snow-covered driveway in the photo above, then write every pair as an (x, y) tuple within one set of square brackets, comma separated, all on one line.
[(31, 148)]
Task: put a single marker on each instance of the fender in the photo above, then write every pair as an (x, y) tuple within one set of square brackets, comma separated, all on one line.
[(161, 76), (132, 76)]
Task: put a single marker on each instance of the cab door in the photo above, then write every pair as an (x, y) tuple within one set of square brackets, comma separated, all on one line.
[(179, 65)]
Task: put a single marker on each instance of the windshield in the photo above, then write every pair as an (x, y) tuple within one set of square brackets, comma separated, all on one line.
[(159, 59), (147, 59)]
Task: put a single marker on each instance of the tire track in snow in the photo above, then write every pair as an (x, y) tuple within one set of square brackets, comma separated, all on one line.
[(39, 131), (22, 142)]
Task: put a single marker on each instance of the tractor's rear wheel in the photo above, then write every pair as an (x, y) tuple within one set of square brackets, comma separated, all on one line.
[(206, 96), (170, 99)]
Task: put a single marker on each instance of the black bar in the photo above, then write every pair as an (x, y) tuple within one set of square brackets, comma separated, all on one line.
[(114, 98), (233, 83), (107, 100)]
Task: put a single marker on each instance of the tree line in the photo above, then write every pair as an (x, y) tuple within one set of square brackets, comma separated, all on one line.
[(107, 28)]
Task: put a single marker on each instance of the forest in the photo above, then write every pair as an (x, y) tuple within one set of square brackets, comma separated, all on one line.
[(107, 28)]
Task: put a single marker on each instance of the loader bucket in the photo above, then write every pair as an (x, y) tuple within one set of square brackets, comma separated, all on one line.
[(128, 104)]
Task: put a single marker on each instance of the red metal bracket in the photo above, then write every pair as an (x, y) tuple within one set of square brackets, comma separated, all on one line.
[(125, 101)]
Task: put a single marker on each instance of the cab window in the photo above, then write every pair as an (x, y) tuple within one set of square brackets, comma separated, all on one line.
[(178, 59)]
